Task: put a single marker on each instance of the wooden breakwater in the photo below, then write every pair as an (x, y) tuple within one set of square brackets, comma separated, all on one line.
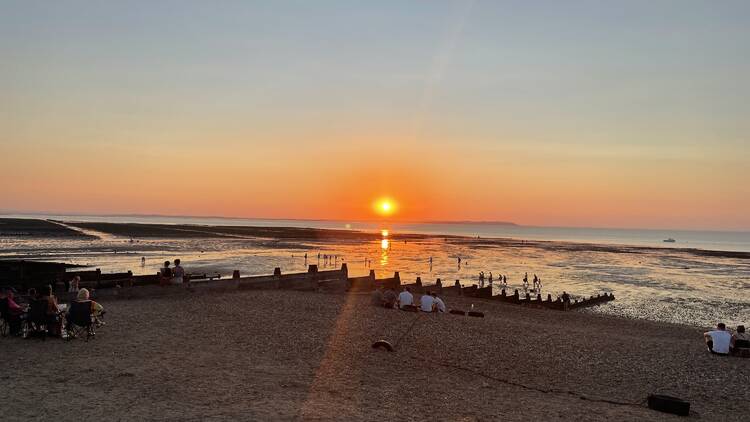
[(127, 285), (527, 299)]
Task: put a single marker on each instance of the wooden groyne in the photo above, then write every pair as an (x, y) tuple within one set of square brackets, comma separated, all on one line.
[(25, 274), (127, 285)]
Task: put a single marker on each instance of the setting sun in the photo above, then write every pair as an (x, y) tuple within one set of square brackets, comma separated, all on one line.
[(385, 206)]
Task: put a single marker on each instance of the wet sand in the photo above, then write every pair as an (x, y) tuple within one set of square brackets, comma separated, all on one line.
[(135, 230), (36, 228), (281, 355), (50, 228)]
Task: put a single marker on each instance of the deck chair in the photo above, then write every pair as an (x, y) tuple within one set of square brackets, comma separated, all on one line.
[(36, 321), (10, 324), (4, 317), (80, 320)]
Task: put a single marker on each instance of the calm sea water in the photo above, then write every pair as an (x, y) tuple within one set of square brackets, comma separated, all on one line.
[(673, 285)]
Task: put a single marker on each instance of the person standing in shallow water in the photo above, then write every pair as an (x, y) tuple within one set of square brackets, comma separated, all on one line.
[(526, 283)]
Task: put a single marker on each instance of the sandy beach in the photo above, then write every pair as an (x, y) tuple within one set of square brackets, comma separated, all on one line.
[(282, 355)]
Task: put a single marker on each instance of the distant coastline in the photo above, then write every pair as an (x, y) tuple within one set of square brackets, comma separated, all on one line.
[(31, 214)]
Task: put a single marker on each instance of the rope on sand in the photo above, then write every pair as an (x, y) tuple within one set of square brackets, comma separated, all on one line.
[(528, 387)]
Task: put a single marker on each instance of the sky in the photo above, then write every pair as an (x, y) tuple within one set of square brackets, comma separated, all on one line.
[(579, 113)]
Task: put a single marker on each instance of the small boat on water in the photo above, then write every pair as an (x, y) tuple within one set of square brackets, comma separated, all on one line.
[(670, 240)]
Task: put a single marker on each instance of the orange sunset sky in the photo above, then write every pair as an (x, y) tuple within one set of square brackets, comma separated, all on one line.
[(566, 115)]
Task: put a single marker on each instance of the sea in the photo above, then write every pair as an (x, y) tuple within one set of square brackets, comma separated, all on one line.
[(663, 281)]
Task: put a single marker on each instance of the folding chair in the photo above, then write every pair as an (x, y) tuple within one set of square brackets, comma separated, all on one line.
[(80, 320), (4, 317), (36, 321), (10, 324)]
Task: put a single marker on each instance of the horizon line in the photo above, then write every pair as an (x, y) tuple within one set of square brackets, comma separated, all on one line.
[(466, 222)]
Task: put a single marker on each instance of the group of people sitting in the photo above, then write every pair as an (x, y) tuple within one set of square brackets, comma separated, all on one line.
[(429, 302), (722, 342), (42, 309), (172, 276)]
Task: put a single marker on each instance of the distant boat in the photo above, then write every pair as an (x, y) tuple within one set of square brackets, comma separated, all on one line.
[(670, 240)]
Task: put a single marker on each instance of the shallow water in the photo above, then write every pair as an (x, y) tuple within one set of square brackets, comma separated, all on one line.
[(657, 284)]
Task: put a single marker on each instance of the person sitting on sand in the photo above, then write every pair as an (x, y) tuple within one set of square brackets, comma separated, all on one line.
[(165, 274), (439, 304), (377, 297), (427, 303), (718, 341), (177, 273), (741, 338), (405, 298), (389, 298)]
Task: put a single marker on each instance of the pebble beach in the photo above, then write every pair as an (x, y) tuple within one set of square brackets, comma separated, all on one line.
[(284, 355)]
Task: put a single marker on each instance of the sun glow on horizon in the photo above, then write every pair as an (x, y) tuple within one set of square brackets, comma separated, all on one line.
[(385, 206)]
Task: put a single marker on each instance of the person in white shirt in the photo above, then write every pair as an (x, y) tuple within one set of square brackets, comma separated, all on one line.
[(439, 304), (178, 273), (405, 298), (719, 340), (427, 303)]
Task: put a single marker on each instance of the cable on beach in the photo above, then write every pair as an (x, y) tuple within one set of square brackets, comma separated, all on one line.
[(528, 387)]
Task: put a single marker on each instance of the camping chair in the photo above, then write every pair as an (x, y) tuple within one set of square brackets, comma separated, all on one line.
[(36, 322), (10, 324), (80, 320), (4, 317)]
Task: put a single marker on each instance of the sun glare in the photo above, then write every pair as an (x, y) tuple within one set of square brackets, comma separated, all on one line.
[(385, 206)]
